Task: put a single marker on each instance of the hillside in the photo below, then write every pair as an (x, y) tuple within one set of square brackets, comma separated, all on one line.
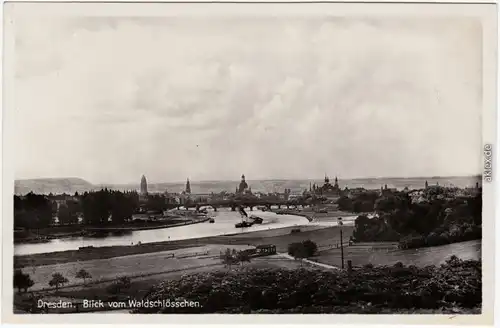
[(52, 185)]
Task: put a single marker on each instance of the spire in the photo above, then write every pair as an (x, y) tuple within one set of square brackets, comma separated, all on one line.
[(188, 186), (144, 185)]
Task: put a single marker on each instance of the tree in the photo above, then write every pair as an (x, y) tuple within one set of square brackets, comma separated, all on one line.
[(345, 204), (157, 203), (243, 256), (123, 283), (67, 214), (476, 206), (32, 211), (22, 281), (83, 274), (96, 207), (297, 250), (310, 247), (300, 253), (229, 258), (122, 207), (57, 280)]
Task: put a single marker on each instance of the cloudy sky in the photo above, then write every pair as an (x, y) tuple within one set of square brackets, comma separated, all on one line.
[(110, 99)]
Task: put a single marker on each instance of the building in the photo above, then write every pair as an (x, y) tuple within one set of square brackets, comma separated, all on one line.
[(144, 186), (327, 188), (188, 187), (243, 188), (384, 190)]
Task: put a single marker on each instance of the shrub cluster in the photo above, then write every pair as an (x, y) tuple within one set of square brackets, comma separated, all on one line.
[(454, 284)]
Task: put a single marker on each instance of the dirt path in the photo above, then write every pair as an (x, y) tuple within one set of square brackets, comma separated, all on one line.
[(323, 265)]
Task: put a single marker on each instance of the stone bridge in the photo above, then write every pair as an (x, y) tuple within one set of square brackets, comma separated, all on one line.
[(233, 204)]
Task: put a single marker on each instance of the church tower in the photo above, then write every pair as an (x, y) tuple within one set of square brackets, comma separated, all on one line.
[(188, 187), (144, 186), (243, 185)]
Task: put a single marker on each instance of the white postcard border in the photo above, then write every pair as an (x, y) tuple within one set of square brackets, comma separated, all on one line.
[(486, 12)]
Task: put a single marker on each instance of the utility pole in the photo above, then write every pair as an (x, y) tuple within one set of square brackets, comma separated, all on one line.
[(341, 242)]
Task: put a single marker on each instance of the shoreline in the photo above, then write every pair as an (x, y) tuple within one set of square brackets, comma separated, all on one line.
[(106, 252), (81, 232), (314, 216), (274, 236), (165, 226)]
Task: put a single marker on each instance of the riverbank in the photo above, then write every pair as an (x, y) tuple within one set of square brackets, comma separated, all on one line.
[(281, 237), (311, 215), (170, 225), (46, 234)]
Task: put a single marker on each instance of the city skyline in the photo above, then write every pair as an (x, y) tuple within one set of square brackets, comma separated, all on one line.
[(236, 180), (114, 98)]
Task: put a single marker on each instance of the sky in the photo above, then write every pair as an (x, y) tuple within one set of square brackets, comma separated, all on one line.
[(110, 99)]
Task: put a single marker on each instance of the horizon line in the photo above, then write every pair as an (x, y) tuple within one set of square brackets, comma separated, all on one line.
[(265, 179)]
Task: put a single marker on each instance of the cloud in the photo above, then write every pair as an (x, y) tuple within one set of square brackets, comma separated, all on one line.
[(272, 98)]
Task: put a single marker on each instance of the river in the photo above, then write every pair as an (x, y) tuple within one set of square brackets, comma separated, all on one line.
[(225, 220)]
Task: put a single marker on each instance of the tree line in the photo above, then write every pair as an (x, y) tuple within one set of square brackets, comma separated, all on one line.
[(95, 208), (439, 218), (23, 281)]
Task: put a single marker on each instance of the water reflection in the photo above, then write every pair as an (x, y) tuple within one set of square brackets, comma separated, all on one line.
[(224, 224)]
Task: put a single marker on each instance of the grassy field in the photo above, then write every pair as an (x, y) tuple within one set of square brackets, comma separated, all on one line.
[(470, 250), (141, 285), (321, 236), (131, 265)]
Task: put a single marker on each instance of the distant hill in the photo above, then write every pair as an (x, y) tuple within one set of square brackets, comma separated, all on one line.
[(52, 185), (70, 185)]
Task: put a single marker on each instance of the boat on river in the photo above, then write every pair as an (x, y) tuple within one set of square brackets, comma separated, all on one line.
[(243, 224), (256, 219), (211, 220)]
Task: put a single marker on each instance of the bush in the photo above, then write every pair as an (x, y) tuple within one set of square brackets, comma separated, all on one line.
[(304, 249), (310, 247), (57, 280), (412, 241), (123, 283), (83, 274), (455, 283), (368, 266), (22, 281)]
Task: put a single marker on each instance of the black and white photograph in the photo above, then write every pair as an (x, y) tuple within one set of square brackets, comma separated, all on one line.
[(250, 159)]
